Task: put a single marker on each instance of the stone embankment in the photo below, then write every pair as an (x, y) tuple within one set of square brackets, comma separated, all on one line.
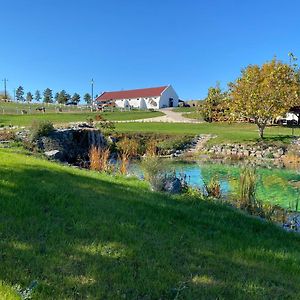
[(239, 150)]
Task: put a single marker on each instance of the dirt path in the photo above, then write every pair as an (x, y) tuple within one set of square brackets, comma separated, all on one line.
[(170, 116), (200, 142)]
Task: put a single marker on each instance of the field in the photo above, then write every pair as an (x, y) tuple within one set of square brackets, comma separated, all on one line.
[(233, 133), (85, 235), (16, 107), (60, 118)]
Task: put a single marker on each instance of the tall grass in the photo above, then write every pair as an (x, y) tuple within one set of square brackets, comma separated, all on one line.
[(247, 190), (128, 148), (151, 149), (99, 159), (154, 172)]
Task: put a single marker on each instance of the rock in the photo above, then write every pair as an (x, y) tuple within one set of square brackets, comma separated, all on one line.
[(246, 152), (53, 154), (173, 186)]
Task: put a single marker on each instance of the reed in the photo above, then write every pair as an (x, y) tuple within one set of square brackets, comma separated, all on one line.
[(99, 159), (247, 190)]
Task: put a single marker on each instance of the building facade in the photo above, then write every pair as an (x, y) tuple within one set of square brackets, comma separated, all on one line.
[(148, 98)]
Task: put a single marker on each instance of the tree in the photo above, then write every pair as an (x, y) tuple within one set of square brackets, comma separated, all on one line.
[(264, 92), (37, 96), (29, 97), (75, 98), (48, 97), (87, 98), (56, 96), (214, 106), (63, 97), (20, 94)]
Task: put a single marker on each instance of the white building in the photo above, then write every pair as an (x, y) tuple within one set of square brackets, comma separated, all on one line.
[(157, 97)]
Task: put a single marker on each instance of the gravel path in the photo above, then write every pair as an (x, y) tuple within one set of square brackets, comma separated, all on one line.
[(170, 117)]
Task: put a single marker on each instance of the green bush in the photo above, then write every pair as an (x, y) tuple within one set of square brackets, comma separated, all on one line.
[(41, 128)]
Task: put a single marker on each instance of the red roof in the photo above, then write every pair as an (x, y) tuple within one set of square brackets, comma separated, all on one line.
[(129, 94)]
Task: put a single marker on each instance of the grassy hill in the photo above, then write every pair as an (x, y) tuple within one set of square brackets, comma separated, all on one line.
[(84, 235)]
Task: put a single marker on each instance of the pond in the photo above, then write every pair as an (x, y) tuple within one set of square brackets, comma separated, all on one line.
[(275, 185)]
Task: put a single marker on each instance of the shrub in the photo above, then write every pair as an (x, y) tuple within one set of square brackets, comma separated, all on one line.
[(195, 193), (41, 128), (154, 172), (213, 188), (7, 135), (99, 118)]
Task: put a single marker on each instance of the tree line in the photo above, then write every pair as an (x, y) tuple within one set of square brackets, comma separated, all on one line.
[(61, 97)]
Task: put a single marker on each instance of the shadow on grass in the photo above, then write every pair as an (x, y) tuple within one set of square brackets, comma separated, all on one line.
[(81, 235)]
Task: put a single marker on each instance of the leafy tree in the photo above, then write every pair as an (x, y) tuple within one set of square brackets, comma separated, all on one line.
[(214, 106), (48, 97), (20, 94), (87, 98), (75, 98), (37, 96), (264, 92), (29, 97)]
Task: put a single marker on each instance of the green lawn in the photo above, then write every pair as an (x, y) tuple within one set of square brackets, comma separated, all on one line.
[(15, 107), (84, 235), (193, 115), (26, 120), (233, 133), (185, 109)]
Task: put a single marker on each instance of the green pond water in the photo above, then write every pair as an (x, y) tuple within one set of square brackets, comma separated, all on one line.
[(274, 185)]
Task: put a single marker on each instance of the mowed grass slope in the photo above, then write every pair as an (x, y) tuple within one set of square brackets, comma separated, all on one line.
[(224, 132), (84, 235), (60, 118)]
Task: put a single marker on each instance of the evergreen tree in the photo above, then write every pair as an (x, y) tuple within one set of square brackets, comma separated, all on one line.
[(20, 94), (37, 96), (76, 98), (56, 96), (87, 98), (63, 97), (29, 97), (48, 98)]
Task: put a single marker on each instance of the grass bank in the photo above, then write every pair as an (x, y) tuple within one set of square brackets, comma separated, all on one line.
[(226, 133), (60, 118), (83, 235)]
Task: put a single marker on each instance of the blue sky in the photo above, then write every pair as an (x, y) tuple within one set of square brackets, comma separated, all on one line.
[(137, 43)]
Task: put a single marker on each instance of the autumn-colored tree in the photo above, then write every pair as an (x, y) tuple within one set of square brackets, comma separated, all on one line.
[(214, 106), (264, 92)]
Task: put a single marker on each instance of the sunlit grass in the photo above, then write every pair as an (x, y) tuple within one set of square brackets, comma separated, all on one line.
[(86, 235)]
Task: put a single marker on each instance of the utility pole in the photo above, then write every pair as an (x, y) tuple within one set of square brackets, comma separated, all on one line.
[(5, 92), (92, 83)]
